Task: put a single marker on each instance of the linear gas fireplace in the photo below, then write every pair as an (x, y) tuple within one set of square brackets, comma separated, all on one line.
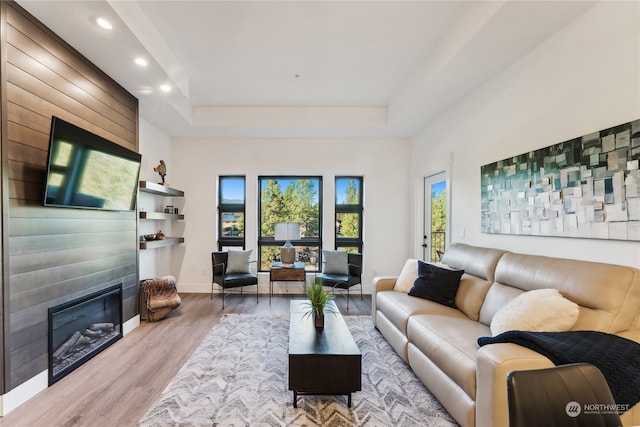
[(82, 328)]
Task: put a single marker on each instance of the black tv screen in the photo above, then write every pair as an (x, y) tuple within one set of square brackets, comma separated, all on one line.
[(87, 171)]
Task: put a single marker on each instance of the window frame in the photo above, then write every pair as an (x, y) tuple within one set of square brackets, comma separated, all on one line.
[(340, 208), (263, 241), (231, 241)]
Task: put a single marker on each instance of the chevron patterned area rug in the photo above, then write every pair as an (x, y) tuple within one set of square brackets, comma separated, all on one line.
[(238, 376)]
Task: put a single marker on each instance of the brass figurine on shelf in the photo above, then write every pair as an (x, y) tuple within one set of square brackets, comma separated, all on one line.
[(162, 170)]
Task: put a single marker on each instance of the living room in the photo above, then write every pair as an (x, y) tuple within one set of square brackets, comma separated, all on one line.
[(578, 80)]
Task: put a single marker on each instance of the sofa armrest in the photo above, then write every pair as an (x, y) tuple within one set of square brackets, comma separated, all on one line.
[(494, 362), (384, 283), (380, 283)]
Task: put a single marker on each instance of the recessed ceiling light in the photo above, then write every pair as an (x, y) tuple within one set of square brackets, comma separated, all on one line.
[(104, 23), (141, 61), (165, 88)]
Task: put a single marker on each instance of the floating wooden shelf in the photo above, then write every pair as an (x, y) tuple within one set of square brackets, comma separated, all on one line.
[(167, 241), (162, 190), (160, 215)]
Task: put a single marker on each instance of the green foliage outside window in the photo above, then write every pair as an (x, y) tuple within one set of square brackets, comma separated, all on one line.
[(349, 213), (297, 202), (438, 221), (350, 222)]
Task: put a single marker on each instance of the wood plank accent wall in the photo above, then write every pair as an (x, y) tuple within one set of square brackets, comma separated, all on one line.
[(53, 255)]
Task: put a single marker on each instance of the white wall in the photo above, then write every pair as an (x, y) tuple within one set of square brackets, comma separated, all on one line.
[(154, 145), (583, 79), (383, 163)]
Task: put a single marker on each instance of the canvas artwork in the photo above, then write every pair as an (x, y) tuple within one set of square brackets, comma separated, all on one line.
[(587, 187)]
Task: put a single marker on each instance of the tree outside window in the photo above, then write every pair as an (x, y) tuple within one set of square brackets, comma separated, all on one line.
[(349, 213), (231, 212), (438, 219), (290, 199)]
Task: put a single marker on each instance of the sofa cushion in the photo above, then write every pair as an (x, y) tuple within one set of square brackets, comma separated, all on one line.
[(407, 276), (437, 284), (476, 260), (451, 343), (398, 307), (471, 293), (608, 295), (541, 310), (497, 297)]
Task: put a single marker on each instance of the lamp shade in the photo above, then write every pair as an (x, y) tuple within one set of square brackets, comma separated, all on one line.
[(287, 231)]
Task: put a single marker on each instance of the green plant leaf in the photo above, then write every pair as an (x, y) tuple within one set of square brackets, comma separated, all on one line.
[(317, 299)]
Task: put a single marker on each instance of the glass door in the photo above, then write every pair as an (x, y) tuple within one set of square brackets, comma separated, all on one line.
[(435, 217)]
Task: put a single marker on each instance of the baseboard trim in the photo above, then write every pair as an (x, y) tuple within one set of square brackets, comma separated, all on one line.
[(24, 392), (130, 325)]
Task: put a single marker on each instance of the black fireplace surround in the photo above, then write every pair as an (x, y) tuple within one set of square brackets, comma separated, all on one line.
[(82, 328)]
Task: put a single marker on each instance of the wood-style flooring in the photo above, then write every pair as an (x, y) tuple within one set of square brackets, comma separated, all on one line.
[(116, 387)]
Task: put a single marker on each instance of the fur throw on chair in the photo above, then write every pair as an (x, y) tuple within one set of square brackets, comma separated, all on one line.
[(160, 298)]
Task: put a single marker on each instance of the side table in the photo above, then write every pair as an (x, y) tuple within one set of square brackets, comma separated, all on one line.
[(287, 273)]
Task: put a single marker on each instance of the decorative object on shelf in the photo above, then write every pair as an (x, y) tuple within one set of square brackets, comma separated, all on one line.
[(150, 237), (163, 214), (287, 231), (317, 299), (167, 241), (162, 170)]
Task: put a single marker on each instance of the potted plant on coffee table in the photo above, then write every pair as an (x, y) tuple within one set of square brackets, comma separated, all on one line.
[(317, 300)]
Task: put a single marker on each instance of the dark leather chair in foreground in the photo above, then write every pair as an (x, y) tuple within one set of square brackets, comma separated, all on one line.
[(575, 395)]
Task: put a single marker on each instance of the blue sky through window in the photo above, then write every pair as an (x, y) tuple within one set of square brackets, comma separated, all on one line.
[(341, 189), (438, 188), (232, 190)]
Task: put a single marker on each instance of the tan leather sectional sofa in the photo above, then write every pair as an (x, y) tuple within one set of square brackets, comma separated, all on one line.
[(440, 342)]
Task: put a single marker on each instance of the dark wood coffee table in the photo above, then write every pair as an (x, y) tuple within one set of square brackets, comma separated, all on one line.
[(322, 361)]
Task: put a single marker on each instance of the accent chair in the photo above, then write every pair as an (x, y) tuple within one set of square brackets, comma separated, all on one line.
[(231, 269), (341, 270)]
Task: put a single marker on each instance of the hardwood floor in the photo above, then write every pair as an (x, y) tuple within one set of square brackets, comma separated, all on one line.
[(115, 388)]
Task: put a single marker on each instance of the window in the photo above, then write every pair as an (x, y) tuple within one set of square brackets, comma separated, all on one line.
[(349, 209), (231, 212), (290, 199)]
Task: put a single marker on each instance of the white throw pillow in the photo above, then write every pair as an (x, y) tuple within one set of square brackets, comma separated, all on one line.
[(335, 262), (407, 276), (540, 310), (238, 262)]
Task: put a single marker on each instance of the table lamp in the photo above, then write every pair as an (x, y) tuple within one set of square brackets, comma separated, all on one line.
[(287, 231)]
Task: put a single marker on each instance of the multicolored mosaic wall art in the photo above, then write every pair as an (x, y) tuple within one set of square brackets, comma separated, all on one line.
[(587, 187)]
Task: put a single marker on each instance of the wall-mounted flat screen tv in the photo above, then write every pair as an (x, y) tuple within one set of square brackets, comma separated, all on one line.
[(87, 171)]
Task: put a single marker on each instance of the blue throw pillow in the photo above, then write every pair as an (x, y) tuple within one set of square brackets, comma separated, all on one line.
[(437, 284)]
